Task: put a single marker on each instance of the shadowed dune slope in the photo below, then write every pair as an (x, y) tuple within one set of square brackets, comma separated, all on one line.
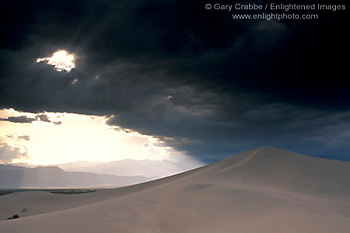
[(265, 190)]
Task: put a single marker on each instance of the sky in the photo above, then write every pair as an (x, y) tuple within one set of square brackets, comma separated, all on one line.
[(56, 138), (189, 83)]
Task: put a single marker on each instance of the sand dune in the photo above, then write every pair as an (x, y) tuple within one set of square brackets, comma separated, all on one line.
[(266, 190)]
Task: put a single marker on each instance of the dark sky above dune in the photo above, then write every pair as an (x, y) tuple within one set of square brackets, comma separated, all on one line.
[(199, 80)]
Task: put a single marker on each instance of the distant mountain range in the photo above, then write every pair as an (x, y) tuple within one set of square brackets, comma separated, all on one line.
[(128, 167), (53, 176), (89, 174)]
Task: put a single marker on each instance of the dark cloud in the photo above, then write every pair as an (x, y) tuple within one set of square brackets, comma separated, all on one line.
[(45, 118), (211, 130), (19, 119), (24, 137), (25, 119), (234, 85), (9, 153)]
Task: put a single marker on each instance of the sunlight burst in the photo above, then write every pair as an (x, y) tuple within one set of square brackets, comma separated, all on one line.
[(61, 60)]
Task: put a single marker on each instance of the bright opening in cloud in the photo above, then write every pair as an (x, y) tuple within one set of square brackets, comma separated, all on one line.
[(60, 60), (77, 137)]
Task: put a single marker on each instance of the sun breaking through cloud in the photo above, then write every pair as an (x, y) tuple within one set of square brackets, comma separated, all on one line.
[(60, 60)]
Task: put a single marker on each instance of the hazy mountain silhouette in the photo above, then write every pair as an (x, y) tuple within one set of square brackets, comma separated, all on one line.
[(130, 167), (53, 176)]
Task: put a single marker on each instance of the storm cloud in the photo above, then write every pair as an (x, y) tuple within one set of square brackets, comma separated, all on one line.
[(204, 83)]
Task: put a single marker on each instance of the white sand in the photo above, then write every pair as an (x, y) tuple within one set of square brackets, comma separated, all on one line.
[(263, 191)]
